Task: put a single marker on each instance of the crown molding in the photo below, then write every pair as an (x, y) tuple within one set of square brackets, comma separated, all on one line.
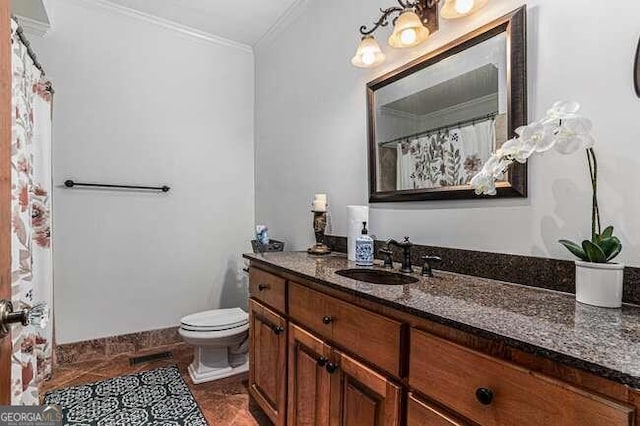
[(165, 23), (33, 27), (284, 19)]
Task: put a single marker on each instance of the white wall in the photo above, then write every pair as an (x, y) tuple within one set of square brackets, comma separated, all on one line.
[(311, 121), (137, 103)]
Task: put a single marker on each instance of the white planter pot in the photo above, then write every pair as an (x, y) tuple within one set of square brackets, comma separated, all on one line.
[(599, 284)]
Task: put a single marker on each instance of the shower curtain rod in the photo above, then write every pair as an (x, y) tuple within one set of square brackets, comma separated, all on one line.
[(437, 129), (27, 44)]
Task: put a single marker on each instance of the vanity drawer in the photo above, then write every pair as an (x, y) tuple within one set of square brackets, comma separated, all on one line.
[(453, 375), (420, 413), (370, 336), (267, 288)]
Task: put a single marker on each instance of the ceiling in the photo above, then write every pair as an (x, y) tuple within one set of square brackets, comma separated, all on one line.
[(245, 22), (32, 9)]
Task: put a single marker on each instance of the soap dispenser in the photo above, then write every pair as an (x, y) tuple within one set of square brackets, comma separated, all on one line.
[(364, 248)]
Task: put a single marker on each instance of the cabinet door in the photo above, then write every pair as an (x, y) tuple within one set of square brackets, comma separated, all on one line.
[(309, 387), (268, 361), (362, 397)]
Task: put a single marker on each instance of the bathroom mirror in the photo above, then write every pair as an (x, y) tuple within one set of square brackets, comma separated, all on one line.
[(435, 121)]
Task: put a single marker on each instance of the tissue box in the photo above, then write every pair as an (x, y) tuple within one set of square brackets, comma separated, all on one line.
[(274, 245)]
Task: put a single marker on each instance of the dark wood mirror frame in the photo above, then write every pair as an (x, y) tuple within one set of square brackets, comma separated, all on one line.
[(514, 25), (636, 71)]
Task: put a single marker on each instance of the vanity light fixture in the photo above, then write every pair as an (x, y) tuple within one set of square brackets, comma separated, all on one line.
[(409, 30), (368, 54), (413, 21), (454, 9)]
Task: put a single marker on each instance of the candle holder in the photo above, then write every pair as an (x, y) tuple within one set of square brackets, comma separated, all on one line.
[(319, 226)]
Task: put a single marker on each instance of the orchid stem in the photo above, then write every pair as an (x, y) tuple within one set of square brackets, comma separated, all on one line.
[(595, 210)]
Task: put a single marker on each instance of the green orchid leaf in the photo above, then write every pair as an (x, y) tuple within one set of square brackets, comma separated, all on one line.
[(593, 252), (607, 233), (615, 253), (609, 245), (575, 249)]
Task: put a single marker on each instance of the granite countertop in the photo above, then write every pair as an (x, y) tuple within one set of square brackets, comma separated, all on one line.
[(602, 341)]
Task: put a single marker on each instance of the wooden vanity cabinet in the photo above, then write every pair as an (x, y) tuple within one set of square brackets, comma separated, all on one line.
[(421, 413), (493, 392), (268, 289), (372, 337), (327, 387), (360, 396), (268, 361), (309, 381), (321, 358)]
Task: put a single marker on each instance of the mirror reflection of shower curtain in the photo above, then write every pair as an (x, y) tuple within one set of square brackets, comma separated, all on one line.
[(444, 158), (31, 257)]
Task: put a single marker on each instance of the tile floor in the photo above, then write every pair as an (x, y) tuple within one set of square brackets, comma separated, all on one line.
[(223, 403)]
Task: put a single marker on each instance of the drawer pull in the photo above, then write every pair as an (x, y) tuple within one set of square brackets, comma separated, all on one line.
[(484, 396), (327, 320), (277, 330), (331, 367), (262, 287), (322, 361)]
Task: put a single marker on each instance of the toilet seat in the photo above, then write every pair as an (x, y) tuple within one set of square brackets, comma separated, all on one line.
[(215, 320)]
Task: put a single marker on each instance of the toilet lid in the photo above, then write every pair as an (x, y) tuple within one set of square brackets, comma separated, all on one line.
[(216, 320)]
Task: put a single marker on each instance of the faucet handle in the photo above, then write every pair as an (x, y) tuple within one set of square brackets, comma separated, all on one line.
[(407, 242), (426, 266)]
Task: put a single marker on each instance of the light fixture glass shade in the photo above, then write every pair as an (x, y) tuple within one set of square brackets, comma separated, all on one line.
[(368, 54), (454, 9), (409, 31)]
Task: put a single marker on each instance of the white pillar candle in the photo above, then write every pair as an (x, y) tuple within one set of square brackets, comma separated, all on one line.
[(321, 197), (319, 206), (320, 203)]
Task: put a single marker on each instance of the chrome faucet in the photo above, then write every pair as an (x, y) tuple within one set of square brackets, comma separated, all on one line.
[(405, 245)]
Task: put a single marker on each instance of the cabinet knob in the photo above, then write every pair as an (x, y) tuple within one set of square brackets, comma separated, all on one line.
[(277, 330), (331, 367), (322, 361), (262, 287), (327, 320), (484, 396)]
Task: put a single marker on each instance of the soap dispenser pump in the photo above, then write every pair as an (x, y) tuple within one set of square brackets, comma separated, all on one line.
[(364, 248)]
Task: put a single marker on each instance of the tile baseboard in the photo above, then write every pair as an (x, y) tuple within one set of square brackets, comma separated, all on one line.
[(97, 349), (552, 274)]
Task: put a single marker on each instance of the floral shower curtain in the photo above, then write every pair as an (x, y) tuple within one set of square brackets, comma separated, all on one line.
[(445, 158), (31, 263)]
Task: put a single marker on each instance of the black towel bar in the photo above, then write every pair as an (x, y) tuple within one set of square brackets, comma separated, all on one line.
[(70, 184)]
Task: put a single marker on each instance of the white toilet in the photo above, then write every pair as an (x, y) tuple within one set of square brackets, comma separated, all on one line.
[(220, 339)]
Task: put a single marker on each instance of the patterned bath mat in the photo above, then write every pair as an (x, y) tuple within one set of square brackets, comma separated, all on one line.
[(158, 397)]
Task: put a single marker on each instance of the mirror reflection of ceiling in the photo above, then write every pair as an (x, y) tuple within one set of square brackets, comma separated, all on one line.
[(472, 85)]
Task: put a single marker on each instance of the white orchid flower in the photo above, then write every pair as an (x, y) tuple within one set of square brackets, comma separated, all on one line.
[(537, 136), (562, 128), (516, 149), (573, 134), (484, 183), (496, 166), (561, 110)]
